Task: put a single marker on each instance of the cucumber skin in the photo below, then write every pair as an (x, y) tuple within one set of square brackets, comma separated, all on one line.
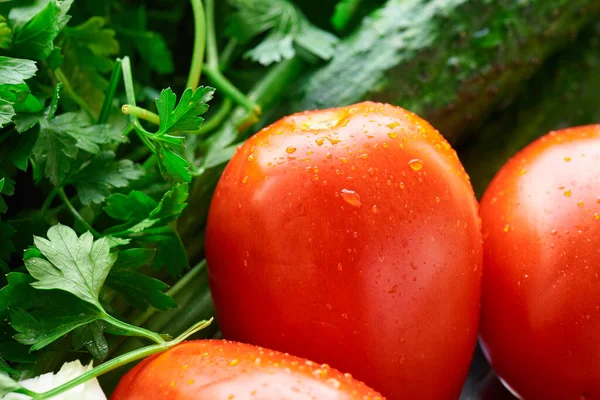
[(449, 61), (564, 93)]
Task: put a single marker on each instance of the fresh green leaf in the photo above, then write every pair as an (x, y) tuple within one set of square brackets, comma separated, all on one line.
[(91, 336), (88, 50), (95, 181), (35, 30), (60, 139), (6, 369), (287, 29), (50, 324), (78, 265), (186, 115), (178, 117), (15, 71), (170, 252), (169, 208), (132, 208), (138, 289), (7, 112), (173, 165)]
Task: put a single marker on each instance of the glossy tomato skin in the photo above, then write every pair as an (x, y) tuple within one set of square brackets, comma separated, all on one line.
[(224, 370), (541, 287), (350, 236)]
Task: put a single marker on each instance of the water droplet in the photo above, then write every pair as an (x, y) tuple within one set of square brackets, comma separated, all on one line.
[(319, 141), (596, 215), (245, 263), (319, 373), (355, 234), (393, 290), (344, 160), (351, 197), (251, 157), (334, 382), (437, 199), (234, 362), (374, 209), (364, 156), (416, 164), (580, 203), (567, 159), (393, 135), (245, 179), (339, 266), (523, 171), (568, 192), (506, 227), (290, 150), (554, 232), (344, 316)]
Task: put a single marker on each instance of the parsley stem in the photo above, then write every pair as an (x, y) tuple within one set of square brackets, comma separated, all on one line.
[(227, 54), (78, 217), (199, 44), (212, 55), (133, 330), (223, 84), (120, 361), (113, 83), (48, 201), (140, 112)]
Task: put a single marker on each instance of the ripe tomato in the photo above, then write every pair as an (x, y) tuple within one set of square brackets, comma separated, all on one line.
[(541, 285), (351, 236), (223, 370)]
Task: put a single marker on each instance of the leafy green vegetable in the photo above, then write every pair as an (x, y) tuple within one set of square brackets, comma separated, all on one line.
[(287, 27), (34, 31), (78, 265)]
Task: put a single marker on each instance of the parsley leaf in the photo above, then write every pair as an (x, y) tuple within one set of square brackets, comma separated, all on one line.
[(122, 207), (137, 288), (78, 265), (14, 71), (288, 30), (87, 50), (61, 138), (35, 29), (95, 180), (91, 336), (176, 117)]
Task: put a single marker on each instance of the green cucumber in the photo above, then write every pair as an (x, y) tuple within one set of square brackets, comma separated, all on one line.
[(450, 61), (564, 93)]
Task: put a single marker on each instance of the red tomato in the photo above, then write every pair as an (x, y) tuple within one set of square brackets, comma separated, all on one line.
[(541, 285), (350, 236), (223, 370)]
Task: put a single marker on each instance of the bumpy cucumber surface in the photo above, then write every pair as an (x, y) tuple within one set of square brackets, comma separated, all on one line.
[(450, 61), (564, 93)]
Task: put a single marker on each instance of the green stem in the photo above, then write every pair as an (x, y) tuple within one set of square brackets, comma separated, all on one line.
[(62, 78), (78, 217), (199, 44), (212, 56), (48, 201), (140, 112), (130, 95), (216, 119), (133, 330), (120, 361), (223, 84), (113, 83), (227, 54)]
